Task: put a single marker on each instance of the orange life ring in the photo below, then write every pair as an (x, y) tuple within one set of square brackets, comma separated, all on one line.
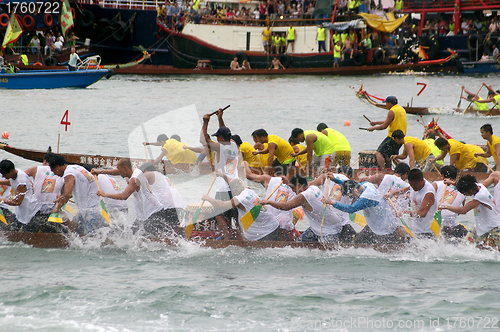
[(47, 19), (28, 22), (73, 12), (2, 22), (37, 64)]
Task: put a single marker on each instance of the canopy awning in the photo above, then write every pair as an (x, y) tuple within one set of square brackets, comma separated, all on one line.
[(381, 24)]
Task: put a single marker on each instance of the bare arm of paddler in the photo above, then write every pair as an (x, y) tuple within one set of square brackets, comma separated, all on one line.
[(396, 192), (440, 157), (18, 197), (262, 179), (69, 183), (376, 179), (422, 210), (381, 125), (110, 171), (133, 185), (5, 183), (462, 209), (205, 138), (407, 152), (310, 139), (297, 201), (492, 179)]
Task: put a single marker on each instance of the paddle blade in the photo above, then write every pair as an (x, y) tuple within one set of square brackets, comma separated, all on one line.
[(2, 217), (189, 229), (250, 216), (104, 211), (358, 219), (436, 224), (55, 217), (71, 210), (196, 215), (407, 229)]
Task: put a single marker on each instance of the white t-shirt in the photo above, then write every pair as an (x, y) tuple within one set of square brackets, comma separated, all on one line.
[(282, 195), (391, 182), (452, 197), (30, 206), (73, 59), (227, 164), (332, 223), (161, 189), (381, 218), (146, 203), (4, 193), (486, 218), (335, 193), (265, 223), (176, 195), (46, 187), (85, 188), (423, 225), (58, 45), (496, 196), (109, 186)]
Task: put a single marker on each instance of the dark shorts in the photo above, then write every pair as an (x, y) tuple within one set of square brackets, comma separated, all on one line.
[(13, 225), (336, 60), (273, 236), (458, 231), (290, 41), (163, 222), (40, 223), (388, 147), (231, 214), (281, 169), (367, 236), (347, 234)]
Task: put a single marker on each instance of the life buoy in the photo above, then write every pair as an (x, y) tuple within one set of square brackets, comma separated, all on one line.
[(4, 20), (50, 61), (358, 58), (475, 41), (378, 56), (86, 19), (285, 60), (73, 13), (241, 56), (119, 29), (47, 19), (28, 22), (37, 64)]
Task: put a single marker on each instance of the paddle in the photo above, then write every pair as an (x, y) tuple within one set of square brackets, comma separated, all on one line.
[(324, 207), (474, 96), (360, 128), (436, 222), (55, 217), (491, 109), (401, 219), (358, 219), (249, 217), (146, 152), (104, 211), (196, 214), (491, 169), (460, 100), (367, 118), (222, 110)]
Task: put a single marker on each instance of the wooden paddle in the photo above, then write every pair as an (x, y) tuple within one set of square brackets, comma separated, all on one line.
[(367, 118), (474, 96), (460, 100), (196, 213), (222, 110), (360, 128), (491, 169), (324, 208), (104, 211), (437, 220), (146, 152), (401, 219), (491, 109)]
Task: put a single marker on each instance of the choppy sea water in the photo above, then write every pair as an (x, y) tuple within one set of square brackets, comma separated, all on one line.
[(132, 285)]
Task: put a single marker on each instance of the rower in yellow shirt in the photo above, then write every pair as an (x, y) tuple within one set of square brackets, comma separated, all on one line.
[(471, 97), (493, 144), (417, 150), (174, 150), (324, 150), (302, 158), (246, 150), (276, 147), (342, 146), (461, 155)]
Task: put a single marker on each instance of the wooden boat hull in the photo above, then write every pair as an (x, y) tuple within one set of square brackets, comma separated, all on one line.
[(473, 111), (51, 79), (363, 95), (55, 241)]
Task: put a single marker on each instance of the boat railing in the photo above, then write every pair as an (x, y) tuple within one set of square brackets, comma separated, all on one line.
[(448, 5), (91, 62), (279, 21)]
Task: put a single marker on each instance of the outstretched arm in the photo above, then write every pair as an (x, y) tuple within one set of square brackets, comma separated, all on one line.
[(360, 204)]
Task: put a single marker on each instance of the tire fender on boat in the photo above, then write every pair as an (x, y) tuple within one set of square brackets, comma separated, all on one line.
[(119, 29), (4, 20), (103, 25), (86, 19), (358, 58), (48, 20), (378, 56), (50, 61), (474, 41), (492, 40), (28, 22), (241, 56), (285, 60)]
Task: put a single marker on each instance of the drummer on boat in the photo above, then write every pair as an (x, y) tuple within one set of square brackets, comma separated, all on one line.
[(396, 119)]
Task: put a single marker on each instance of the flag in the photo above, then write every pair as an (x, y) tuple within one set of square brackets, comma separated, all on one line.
[(436, 223), (358, 219), (250, 216), (104, 211), (2, 217), (55, 217), (13, 32), (66, 17)]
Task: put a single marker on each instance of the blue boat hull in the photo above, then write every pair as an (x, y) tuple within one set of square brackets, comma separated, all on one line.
[(479, 67), (51, 79)]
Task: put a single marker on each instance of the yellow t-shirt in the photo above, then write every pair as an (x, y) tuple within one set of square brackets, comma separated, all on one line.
[(246, 150), (283, 151), (321, 34), (482, 106), (420, 149), (399, 121), (176, 153), (494, 141), (339, 141), (302, 159), (323, 145), (466, 151), (267, 34)]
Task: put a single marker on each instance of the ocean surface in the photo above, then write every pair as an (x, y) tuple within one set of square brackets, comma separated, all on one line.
[(134, 285)]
